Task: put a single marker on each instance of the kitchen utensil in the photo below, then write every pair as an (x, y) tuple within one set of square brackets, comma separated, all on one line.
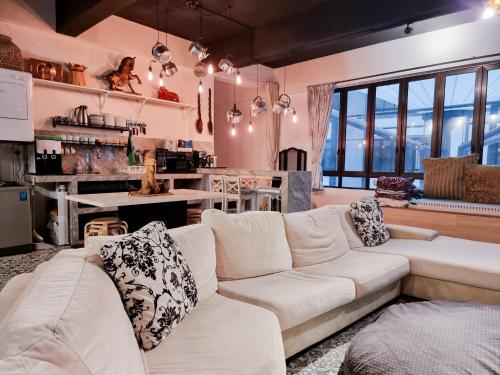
[(81, 115), (210, 124), (109, 119), (234, 116), (76, 74), (199, 122)]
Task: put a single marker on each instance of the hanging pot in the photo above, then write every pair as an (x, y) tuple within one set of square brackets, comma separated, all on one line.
[(282, 104), (200, 70), (258, 107), (227, 66), (170, 69), (199, 49), (162, 53), (10, 54)]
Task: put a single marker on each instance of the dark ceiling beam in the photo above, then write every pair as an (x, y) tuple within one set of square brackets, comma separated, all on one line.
[(314, 35), (75, 17)]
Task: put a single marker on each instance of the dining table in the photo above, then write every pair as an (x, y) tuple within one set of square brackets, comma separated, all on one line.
[(139, 210)]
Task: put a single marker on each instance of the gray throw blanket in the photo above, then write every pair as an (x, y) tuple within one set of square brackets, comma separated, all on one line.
[(429, 338)]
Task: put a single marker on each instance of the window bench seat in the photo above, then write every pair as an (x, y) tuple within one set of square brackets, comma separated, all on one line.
[(472, 221)]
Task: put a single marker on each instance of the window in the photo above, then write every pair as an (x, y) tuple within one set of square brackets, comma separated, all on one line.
[(356, 118), (491, 141), (388, 128), (419, 124), (458, 114)]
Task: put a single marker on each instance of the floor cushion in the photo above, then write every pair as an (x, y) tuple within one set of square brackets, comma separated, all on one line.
[(449, 259), (432, 338), (315, 236), (370, 272), (293, 296), (213, 339)]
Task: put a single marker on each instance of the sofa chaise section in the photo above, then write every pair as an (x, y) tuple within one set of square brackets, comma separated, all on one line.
[(448, 268)]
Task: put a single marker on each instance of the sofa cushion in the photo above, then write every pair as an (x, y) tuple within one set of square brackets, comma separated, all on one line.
[(444, 177), (197, 244), (449, 259), (370, 272), (154, 281), (70, 317), (12, 291), (248, 244), (369, 222), (221, 337), (293, 296), (315, 236), (350, 230)]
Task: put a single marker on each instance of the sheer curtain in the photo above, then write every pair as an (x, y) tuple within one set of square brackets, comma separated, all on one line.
[(319, 106), (273, 125)]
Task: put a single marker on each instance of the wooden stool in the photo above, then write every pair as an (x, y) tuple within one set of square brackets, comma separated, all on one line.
[(105, 226)]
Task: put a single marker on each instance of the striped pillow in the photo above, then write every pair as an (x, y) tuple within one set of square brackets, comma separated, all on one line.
[(444, 177)]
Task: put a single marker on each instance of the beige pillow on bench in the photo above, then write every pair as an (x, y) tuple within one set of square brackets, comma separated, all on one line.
[(444, 177), (482, 184)]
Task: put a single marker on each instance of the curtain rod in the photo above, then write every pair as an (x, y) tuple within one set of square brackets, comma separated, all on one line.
[(418, 68)]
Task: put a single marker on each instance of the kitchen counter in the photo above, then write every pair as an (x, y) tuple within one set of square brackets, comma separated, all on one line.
[(35, 179)]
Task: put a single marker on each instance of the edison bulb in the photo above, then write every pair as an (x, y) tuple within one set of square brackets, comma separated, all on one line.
[(161, 82), (150, 74), (238, 78), (233, 131), (294, 118), (200, 87), (250, 127), (210, 69)]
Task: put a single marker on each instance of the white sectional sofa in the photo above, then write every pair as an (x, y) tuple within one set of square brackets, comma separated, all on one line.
[(269, 286)]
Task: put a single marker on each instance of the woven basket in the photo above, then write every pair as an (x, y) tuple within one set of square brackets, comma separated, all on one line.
[(10, 54)]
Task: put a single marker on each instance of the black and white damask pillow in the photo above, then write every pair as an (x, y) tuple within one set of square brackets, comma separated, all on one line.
[(369, 222), (154, 281)]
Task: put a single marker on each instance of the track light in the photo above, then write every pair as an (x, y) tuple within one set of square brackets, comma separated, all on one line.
[(238, 77), (210, 68), (200, 87), (150, 73)]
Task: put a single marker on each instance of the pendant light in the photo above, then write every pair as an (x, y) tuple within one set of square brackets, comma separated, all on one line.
[(169, 68), (238, 77), (491, 8), (234, 115), (200, 87), (250, 126), (198, 48), (160, 51), (283, 104), (259, 106), (226, 64), (210, 68)]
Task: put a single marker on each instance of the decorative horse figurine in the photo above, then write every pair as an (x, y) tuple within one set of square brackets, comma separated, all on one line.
[(123, 76)]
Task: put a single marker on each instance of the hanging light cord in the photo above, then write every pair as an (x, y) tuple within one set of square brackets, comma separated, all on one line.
[(234, 89), (257, 79), (166, 26), (201, 22), (158, 19), (284, 82)]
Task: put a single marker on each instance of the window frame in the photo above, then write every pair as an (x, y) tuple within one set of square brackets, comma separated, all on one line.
[(478, 125)]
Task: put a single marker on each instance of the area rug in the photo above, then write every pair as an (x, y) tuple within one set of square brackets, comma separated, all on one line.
[(324, 358)]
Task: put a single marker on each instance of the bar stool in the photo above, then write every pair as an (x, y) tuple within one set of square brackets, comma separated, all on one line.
[(105, 226), (233, 192), (264, 189), (217, 185)]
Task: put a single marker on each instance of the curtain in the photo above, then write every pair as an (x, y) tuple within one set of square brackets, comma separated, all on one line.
[(319, 107), (273, 125)]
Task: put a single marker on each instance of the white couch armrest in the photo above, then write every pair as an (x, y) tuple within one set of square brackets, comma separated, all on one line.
[(404, 232)]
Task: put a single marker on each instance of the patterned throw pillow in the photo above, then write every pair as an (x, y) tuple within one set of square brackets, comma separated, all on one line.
[(154, 281), (369, 222), (396, 183)]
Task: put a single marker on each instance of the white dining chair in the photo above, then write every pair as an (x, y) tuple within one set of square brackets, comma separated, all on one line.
[(233, 192), (264, 190), (217, 185)]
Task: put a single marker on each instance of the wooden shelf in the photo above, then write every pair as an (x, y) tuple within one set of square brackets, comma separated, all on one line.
[(89, 126), (104, 94)]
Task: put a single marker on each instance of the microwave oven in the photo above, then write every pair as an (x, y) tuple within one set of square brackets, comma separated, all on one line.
[(16, 114), (174, 162)]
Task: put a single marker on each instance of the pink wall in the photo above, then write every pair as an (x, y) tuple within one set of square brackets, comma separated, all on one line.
[(101, 48)]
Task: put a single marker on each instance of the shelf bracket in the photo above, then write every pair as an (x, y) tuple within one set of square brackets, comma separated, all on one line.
[(140, 105), (102, 101)]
